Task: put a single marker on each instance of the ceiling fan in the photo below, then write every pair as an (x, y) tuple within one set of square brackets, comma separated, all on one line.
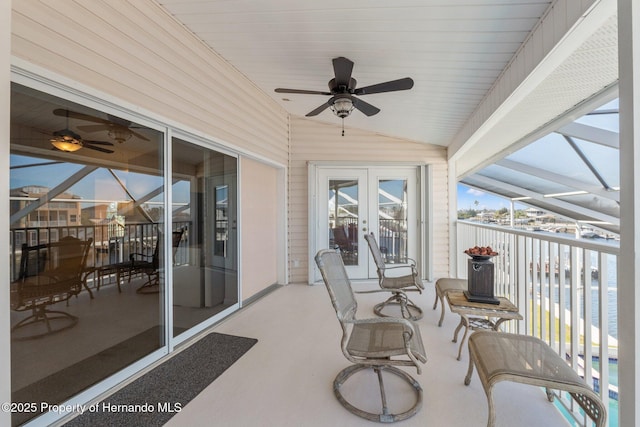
[(342, 89), (69, 141), (118, 129)]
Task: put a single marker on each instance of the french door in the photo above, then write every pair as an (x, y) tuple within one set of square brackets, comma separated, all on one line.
[(355, 201)]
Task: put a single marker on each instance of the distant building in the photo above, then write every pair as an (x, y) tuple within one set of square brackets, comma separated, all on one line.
[(534, 213), (65, 211)]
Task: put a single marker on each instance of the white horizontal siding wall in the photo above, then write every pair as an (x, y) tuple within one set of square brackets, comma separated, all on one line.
[(136, 52), (313, 141)]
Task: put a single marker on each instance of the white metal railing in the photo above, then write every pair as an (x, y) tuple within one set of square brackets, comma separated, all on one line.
[(567, 293)]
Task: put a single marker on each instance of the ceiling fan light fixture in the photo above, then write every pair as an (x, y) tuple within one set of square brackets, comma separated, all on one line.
[(66, 143), (119, 135), (342, 107)]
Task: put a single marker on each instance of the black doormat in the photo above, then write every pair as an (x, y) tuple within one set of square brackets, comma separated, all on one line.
[(154, 398)]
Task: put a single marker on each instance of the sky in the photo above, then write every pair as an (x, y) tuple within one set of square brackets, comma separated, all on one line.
[(99, 184), (468, 196)]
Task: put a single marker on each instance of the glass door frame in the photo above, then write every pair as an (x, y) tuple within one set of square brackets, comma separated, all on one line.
[(360, 175), (412, 214), (423, 210)]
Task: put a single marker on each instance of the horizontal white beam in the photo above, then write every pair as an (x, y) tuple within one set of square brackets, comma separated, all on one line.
[(550, 201), (559, 179), (593, 134)]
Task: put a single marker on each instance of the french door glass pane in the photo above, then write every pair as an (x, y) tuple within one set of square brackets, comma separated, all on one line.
[(392, 220), (343, 219)]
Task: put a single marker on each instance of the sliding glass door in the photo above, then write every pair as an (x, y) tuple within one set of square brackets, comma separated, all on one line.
[(101, 285), (87, 228), (204, 211)]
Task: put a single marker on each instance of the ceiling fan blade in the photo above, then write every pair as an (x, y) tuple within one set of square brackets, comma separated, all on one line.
[(365, 107), (118, 121), (93, 128), (104, 150), (342, 68), (400, 84), (303, 92), (139, 135), (118, 128), (75, 115), (84, 141), (318, 110), (107, 127)]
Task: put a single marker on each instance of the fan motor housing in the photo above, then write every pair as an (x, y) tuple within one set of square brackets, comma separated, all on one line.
[(335, 88)]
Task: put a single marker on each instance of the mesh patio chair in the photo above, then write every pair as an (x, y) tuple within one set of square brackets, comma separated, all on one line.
[(378, 344), (344, 238), (49, 273), (140, 263), (406, 280)]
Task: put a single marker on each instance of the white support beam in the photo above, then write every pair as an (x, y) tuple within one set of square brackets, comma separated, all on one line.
[(596, 135), (629, 259), (561, 204), (559, 179), (452, 190)]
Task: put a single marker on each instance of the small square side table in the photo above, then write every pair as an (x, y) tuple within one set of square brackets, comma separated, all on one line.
[(479, 315)]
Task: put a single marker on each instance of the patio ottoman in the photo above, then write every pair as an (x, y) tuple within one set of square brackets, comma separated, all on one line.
[(500, 356)]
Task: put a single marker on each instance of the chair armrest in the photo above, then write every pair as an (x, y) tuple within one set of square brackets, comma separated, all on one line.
[(399, 266), (393, 291), (413, 268), (132, 256)]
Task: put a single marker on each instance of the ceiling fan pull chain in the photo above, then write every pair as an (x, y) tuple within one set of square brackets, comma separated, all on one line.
[(343, 126)]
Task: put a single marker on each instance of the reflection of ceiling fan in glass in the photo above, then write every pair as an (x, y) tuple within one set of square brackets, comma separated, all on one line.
[(69, 141), (118, 129)]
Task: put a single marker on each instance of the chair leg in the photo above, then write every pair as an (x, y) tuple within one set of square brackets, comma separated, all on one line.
[(152, 285), (43, 316), (408, 309), (384, 416), (383, 395), (441, 312)]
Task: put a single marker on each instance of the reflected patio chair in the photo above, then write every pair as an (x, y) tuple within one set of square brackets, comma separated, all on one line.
[(49, 273), (140, 263), (377, 344), (405, 280), (348, 248)]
